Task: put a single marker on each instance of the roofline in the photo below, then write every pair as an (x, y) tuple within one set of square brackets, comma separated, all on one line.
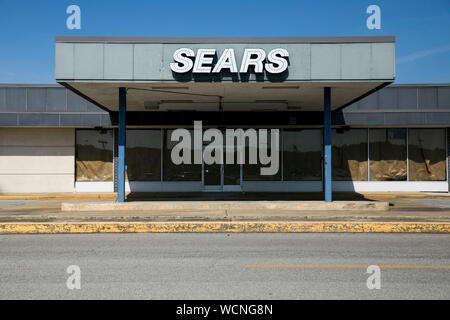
[(32, 85), (417, 85), (225, 40), (51, 85)]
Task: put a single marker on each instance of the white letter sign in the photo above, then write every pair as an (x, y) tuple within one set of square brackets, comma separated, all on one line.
[(203, 61)]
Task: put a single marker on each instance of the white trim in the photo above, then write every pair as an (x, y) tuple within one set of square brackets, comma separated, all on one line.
[(390, 186), (167, 186), (269, 186), (98, 186), (140, 186), (232, 188), (212, 188), (282, 186)]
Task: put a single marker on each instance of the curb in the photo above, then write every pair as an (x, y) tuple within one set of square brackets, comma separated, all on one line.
[(223, 205), (224, 227)]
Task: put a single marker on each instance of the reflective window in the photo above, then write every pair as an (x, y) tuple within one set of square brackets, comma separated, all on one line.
[(94, 155), (426, 154), (252, 172), (143, 155), (349, 154), (387, 154), (302, 155), (231, 174), (181, 172)]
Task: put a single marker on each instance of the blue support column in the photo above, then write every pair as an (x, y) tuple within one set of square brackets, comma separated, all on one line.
[(122, 144), (327, 144)]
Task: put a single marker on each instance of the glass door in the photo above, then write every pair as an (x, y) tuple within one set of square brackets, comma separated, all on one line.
[(212, 177), (221, 177), (232, 177)]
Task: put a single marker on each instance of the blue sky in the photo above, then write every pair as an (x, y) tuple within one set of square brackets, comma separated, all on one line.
[(28, 28)]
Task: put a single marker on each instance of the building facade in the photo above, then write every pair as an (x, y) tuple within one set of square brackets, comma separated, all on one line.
[(121, 99)]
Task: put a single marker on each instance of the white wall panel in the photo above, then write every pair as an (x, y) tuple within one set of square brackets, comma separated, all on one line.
[(37, 160)]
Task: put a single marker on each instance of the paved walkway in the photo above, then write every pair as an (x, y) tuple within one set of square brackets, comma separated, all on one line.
[(414, 214), (402, 209)]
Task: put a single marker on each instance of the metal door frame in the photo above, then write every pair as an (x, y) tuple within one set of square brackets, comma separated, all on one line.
[(222, 187)]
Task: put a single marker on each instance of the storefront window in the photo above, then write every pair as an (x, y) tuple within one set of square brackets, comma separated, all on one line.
[(426, 154), (94, 155), (302, 154), (181, 172), (143, 155), (387, 154), (349, 154), (252, 172)]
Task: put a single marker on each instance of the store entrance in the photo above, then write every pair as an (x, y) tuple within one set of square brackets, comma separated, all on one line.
[(221, 177)]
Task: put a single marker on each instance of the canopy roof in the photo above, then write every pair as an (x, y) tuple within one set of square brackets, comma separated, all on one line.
[(96, 67)]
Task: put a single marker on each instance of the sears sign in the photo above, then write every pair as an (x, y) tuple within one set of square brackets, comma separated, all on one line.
[(187, 60)]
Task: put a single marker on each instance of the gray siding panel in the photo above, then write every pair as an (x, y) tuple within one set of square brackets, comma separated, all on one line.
[(2, 99), (443, 97), (56, 99), (112, 61), (75, 102), (352, 107), (16, 99), (407, 98), (64, 66), (387, 98), (91, 119), (8, 119), (106, 120), (90, 107), (383, 60), (356, 61), (359, 118), (80, 120), (404, 118), (36, 99), (438, 118), (88, 61), (354, 118), (118, 61), (38, 119), (369, 103), (427, 98), (37, 105), (375, 118)]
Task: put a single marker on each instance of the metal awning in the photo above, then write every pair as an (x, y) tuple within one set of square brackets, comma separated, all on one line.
[(97, 67)]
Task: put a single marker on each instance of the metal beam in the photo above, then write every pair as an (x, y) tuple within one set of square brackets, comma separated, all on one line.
[(122, 144), (327, 144)]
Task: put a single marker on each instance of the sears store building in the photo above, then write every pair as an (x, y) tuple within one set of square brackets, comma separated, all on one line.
[(108, 125)]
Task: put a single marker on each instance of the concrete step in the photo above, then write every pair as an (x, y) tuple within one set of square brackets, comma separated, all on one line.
[(224, 205)]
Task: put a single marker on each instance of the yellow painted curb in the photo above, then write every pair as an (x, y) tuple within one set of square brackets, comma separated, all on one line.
[(223, 227)]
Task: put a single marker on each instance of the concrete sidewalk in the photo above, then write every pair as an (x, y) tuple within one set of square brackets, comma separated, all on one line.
[(421, 210), (46, 216), (220, 205)]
